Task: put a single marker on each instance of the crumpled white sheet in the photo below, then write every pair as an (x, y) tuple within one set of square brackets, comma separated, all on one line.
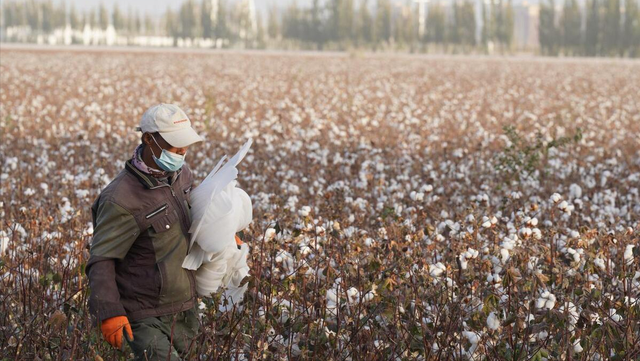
[(226, 268), (219, 210)]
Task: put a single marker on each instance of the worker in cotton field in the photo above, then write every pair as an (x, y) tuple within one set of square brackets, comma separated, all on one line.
[(139, 290)]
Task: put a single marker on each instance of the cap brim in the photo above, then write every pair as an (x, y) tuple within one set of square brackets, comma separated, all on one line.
[(181, 138)]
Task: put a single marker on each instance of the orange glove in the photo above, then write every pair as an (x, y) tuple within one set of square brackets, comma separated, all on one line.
[(112, 330), (238, 241)]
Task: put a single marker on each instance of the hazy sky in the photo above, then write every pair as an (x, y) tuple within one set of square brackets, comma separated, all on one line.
[(158, 7)]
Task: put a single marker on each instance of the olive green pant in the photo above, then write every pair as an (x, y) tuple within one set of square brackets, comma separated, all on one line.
[(163, 338)]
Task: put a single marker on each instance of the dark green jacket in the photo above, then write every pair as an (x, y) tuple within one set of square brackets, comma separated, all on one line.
[(140, 239)]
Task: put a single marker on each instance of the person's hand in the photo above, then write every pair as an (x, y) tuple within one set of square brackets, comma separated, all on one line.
[(112, 330)]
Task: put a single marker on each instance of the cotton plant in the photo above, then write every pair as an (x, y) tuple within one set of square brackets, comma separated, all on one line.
[(368, 154)]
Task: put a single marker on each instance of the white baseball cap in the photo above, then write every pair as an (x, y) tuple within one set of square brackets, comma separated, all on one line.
[(171, 122)]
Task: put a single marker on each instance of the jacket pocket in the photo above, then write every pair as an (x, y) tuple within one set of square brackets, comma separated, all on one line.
[(165, 222)]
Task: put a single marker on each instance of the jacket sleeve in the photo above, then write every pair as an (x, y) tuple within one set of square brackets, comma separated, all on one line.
[(115, 230)]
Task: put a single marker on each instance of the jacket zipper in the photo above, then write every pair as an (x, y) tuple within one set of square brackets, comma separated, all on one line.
[(156, 211), (192, 280)]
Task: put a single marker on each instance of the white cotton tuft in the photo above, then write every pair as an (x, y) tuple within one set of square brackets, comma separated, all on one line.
[(493, 322), (628, 254)]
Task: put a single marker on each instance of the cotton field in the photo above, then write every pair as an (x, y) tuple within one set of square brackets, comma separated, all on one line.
[(405, 208)]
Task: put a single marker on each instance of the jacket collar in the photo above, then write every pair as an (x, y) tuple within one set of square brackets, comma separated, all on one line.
[(148, 181)]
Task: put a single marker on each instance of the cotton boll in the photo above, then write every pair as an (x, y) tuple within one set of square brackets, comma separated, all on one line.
[(532, 222), (575, 191), (417, 196), (371, 294), (494, 278), (4, 242), (353, 295), (530, 318), (493, 323), (577, 348), (536, 234), (332, 301), (555, 198), (351, 218), (463, 262), (563, 205), (280, 258), (525, 232), (566, 207), (472, 337), (449, 282), (575, 255), (436, 270), (615, 316), (572, 312), (546, 300), (304, 211), (427, 188), (550, 303), (269, 234), (332, 296), (305, 250), (504, 253), (628, 254), (542, 335), (469, 254)]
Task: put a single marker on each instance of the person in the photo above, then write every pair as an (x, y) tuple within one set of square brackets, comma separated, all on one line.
[(141, 220)]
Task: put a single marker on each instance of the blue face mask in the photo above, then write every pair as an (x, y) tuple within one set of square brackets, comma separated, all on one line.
[(168, 161)]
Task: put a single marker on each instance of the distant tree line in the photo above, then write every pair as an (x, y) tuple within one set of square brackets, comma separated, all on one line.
[(611, 28), (342, 24), (44, 17), (604, 28)]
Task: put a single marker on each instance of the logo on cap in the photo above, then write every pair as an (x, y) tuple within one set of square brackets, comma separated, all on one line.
[(181, 121)]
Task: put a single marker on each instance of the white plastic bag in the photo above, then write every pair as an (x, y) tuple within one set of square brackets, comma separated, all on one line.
[(219, 210)]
